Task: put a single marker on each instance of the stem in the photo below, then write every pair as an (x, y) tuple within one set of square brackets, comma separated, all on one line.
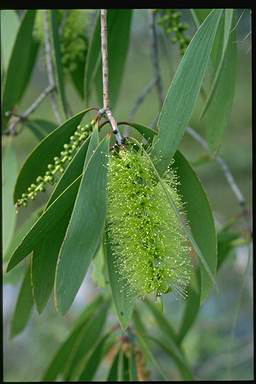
[(105, 76)]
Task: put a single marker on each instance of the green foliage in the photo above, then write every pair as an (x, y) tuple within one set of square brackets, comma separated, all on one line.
[(139, 211)]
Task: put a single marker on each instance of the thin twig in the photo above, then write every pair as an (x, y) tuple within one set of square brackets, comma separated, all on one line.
[(105, 76), (154, 53), (49, 65), (24, 116), (146, 90)]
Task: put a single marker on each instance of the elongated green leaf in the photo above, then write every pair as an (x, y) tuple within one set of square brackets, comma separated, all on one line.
[(77, 75), (9, 28), (9, 168), (94, 142), (40, 127), (37, 162), (125, 368), (21, 62), (44, 262), (199, 215), (218, 107), (162, 322), (44, 258), (84, 230), (113, 372), (20, 233), (86, 341), (146, 132), (57, 365), (118, 44), (94, 360), (132, 365), (144, 341), (50, 218), (226, 240), (123, 304), (191, 309), (180, 361), (57, 59), (183, 92), (23, 306), (170, 337)]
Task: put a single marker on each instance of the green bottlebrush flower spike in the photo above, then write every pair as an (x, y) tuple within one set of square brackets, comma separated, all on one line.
[(151, 250), (80, 135)]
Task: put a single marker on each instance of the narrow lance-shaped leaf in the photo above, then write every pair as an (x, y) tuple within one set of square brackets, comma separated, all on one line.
[(113, 371), (9, 168), (21, 62), (84, 230), (44, 258), (122, 302), (56, 365), (37, 162), (200, 218), (183, 92), (218, 107), (57, 60), (9, 28), (50, 218), (23, 306), (86, 341)]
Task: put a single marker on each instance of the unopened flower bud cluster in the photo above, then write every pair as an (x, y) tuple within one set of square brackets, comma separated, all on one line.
[(58, 164), (169, 20)]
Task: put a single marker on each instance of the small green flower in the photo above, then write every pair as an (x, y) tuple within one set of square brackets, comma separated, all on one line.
[(151, 250)]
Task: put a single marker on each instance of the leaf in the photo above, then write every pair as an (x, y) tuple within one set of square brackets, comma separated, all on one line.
[(183, 92), (125, 368), (199, 216), (9, 168), (23, 307), (94, 360), (49, 219), (84, 230), (191, 308), (180, 361), (9, 27), (144, 341), (20, 233), (123, 304), (77, 75), (86, 341), (225, 244), (40, 127), (57, 60), (162, 322), (37, 162), (56, 365), (170, 341), (118, 44), (146, 132), (113, 372), (21, 62), (44, 262), (132, 365), (218, 107), (94, 142)]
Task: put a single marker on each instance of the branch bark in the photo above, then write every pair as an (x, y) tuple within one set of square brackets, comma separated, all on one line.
[(105, 77)]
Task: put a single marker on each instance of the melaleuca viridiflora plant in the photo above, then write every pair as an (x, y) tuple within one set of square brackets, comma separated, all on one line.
[(131, 204)]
